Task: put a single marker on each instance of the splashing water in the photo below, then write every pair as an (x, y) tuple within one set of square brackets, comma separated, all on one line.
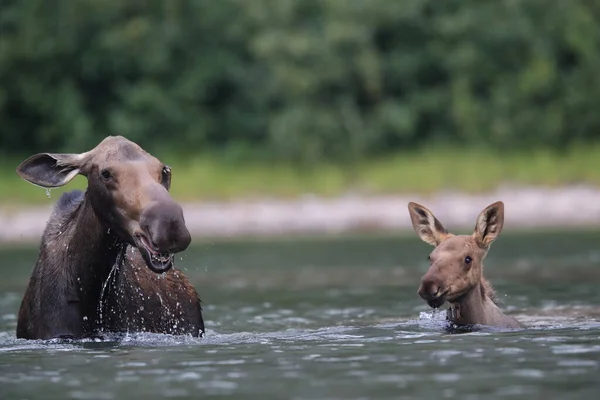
[(435, 314), (48, 193), (111, 274)]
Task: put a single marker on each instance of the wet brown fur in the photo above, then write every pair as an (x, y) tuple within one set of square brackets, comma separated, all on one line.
[(142, 301), (456, 271), (81, 253)]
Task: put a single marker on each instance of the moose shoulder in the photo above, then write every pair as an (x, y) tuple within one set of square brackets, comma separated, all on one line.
[(106, 254), (456, 271)]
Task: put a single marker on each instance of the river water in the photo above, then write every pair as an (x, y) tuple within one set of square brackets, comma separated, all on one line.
[(333, 318)]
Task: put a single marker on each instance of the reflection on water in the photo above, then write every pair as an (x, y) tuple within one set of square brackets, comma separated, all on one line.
[(333, 319)]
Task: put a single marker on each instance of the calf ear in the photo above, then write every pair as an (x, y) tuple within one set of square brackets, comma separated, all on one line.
[(489, 224), (427, 226), (50, 170)]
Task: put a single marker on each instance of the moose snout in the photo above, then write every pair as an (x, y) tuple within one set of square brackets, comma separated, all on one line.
[(164, 225), (432, 291)]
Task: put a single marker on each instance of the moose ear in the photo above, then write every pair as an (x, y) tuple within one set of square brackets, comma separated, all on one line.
[(489, 224), (427, 226), (50, 170)]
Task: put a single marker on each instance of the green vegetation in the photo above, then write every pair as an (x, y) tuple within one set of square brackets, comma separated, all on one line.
[(303, 82), (469, 170), (278, 98)]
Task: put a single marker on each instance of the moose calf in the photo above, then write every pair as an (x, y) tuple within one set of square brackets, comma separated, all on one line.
[(456, 271)]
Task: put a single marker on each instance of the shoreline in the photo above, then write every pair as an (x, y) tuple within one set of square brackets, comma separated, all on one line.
[(576, 206)]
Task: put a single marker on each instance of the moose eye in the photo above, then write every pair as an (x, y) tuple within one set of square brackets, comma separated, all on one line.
[(468, 260), (166, 176), (106, 175)]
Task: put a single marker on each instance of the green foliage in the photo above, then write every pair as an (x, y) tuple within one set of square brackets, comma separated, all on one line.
[(301, 80), (425, 171)]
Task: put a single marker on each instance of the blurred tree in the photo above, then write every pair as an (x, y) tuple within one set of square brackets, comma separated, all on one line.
[(299, 79)]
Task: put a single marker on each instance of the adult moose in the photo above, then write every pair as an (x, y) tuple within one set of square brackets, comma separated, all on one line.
[(456, 271), (106, 255)]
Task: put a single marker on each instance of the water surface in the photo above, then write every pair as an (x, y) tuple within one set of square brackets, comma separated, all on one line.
[(333, 319)]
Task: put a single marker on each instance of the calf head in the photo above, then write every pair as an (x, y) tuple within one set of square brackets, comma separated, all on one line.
[(456, 261), (128, 190)]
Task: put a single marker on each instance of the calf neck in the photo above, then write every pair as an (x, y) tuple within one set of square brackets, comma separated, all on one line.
[(456, 271), (107, 253)]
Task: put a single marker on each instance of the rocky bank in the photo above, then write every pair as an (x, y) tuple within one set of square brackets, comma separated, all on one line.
[(565, 207)]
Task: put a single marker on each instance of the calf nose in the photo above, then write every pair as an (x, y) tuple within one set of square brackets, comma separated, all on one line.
[(430, 288)]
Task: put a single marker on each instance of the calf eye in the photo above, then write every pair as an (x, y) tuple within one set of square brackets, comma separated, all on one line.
[(106, 175), (468, 260)]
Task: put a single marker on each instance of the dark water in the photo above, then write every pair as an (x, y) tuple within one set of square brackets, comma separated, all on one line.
[(334, 319)]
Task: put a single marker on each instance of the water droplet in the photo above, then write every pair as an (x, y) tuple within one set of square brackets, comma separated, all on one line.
[(48, 193), (85, 318)]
